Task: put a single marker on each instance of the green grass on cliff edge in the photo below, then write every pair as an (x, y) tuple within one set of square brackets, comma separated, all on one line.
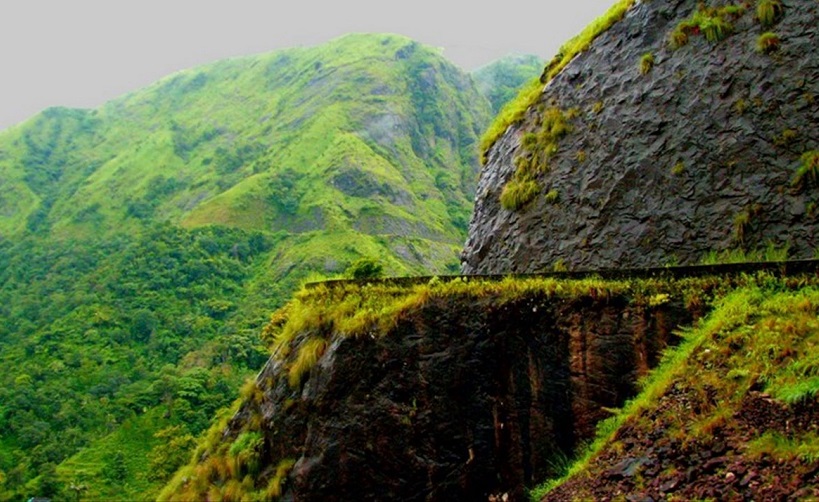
[(513, 111), (764, 333), (300, 332)]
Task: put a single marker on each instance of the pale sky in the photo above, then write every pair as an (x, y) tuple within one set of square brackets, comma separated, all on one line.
[(82, 53)]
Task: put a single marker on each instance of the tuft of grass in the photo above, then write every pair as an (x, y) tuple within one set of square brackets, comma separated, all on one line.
[(808, 170), (309, 354), (646, 63), (678, 37), (540, 146), (275, 486), (787, 137), (597, 107), (740, 106), (552, 196), (767, 43), (714, 23), (804, 448), (769, 12), (771, 253), (518, 193), (678, 169), (742, 221), (715, 29), (515, 110), (580, 156)]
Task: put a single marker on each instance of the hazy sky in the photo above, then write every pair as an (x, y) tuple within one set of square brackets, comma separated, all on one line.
[(81, 53)]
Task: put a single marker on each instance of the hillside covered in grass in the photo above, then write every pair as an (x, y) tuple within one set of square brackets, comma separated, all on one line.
[(470, 389), (731, 414), (144, 244), (372, 135)]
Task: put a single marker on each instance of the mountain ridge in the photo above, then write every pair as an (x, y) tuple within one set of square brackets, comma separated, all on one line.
[(144, 243)]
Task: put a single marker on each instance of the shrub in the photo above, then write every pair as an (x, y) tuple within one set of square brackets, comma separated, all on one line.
[(767, 43), (646, 63), (365, 268), (678, 169), (769, 11), (518, 193)]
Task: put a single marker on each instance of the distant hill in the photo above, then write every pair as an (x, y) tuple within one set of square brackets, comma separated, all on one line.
[(371, 135), (143, 244), (501, 80)]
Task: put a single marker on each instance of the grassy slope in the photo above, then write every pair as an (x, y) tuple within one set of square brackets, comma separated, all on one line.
[(727, 395), (351, 310), (316, 156), (267, 136)]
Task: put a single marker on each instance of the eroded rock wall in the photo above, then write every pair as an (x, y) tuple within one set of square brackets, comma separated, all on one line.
[(463, 399), (697, 154)]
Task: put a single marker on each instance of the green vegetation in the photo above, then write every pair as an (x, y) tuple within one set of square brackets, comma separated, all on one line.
[(517, 193), (538, 147), (769, 12), (365, 268), (767, 43), (143, 244), (741, 222), (372, 310), (762, 333), (514, 111), (714, 23), (501, 80), (771, 253), (109, 358), (309, 353), (552, 196), (786, 138), (678, 169), (808, 170), (646, 63)]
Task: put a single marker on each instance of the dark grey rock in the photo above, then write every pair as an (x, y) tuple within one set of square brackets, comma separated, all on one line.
[(623, 206)]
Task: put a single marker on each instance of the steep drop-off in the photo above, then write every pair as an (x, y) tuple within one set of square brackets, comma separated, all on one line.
[(441, 391), (680, 130)]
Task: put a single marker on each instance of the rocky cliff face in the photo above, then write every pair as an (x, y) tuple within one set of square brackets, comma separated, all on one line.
[(465, 394), (666, 150)]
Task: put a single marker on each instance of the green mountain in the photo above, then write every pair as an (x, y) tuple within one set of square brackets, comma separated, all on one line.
[(144, 244), (348, 137), (501, 80)]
